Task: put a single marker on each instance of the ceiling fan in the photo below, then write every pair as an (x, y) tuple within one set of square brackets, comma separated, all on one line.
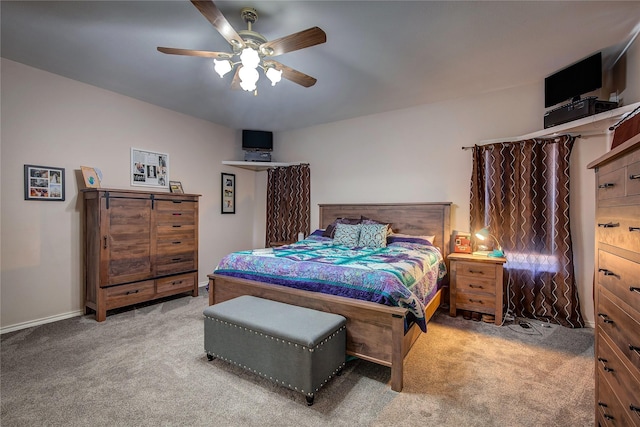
[(252, 50)]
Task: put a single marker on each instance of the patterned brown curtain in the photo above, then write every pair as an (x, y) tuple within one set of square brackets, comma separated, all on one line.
[(288, 203), (520, 190)]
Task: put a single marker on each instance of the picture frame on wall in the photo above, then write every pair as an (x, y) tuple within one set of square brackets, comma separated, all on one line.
[(228, 194), (149, 168), (44, 183)]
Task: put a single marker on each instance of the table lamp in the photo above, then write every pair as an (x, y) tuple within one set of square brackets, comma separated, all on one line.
[(484, 234)]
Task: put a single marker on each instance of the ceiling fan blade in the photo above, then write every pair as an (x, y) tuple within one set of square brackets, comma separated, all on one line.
[(293, 75), (307, 38), (189, 52), (217, 19), (235, 83)]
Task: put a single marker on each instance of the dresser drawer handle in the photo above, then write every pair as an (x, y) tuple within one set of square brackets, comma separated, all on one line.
[(635, 176), (176, 242), (176, 259), (476, 271), (634, 348), (605, 318), (472, 286), (609, 225), (133, 292), (606, 185), (607, 369), (176, 214), (634, 408), (479, 301), (603, 405), (176, 226), (634, 228), (634, 289), (176, 282), (606, 272), (609, 417)]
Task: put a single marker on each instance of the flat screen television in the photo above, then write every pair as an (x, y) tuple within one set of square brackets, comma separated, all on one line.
[(569, 83), (257, 140)]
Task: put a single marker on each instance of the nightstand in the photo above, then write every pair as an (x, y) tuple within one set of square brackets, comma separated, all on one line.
[(476, 284)]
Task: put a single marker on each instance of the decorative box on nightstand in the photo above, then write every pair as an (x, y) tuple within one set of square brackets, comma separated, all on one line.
[(476, 284)]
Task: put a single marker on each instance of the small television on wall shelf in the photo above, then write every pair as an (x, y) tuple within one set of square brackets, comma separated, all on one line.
[(569, 83), (257, 140)]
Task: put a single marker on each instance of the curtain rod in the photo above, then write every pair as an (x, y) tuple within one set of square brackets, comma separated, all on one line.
[(508, 140)]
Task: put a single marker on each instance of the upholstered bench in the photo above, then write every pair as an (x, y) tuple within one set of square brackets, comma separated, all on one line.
[(296, 347)]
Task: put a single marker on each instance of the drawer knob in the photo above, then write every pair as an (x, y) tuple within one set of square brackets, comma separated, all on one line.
[(133, 292), (176, 282), (476, 271), (609, 224), (606, 272), (479, 301), (606, 185), (605, 318), (634, 229), (635, 176), (472, 286)]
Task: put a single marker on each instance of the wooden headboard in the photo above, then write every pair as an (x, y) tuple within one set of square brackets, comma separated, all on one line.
[(408, 218)]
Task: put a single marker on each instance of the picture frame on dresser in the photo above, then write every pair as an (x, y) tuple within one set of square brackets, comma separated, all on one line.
[(44, 183), (228, 193)]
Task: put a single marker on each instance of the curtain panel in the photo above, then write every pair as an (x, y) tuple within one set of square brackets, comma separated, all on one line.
[(520, 190), (288, 203)]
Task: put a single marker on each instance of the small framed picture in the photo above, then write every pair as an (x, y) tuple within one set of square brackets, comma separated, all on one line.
[(44, 183), (176, 187), (228, 193), (91, 178)]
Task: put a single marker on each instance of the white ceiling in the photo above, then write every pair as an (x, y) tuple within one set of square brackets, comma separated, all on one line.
[(379, 55)]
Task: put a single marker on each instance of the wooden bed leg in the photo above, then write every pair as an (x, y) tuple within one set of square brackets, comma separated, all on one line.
[(397, 353)]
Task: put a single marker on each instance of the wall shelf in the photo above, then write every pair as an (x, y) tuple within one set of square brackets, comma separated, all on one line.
[(257, 166), (598, 124)]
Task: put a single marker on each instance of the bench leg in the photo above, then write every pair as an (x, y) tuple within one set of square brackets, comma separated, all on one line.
[(210, 357), (310, 400)]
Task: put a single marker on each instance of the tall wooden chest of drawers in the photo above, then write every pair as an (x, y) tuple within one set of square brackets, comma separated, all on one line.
[(139, 246), (617, 286)]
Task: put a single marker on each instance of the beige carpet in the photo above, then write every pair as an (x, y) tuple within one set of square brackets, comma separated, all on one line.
[(146, 367)]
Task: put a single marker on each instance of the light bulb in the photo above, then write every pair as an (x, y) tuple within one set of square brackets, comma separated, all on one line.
[(221, 67), (274, 75), (248, 78), (249, 58)]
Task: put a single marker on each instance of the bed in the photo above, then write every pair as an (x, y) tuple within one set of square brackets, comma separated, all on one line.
[(378, 333)]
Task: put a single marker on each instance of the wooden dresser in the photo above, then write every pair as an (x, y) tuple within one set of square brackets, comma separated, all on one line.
[(617, 286), (476, 284), (139, 246)]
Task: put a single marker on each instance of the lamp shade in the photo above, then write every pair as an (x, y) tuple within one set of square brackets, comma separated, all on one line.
[(483, 234)]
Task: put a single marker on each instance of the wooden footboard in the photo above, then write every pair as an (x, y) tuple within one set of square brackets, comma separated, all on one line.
[(375, 332)]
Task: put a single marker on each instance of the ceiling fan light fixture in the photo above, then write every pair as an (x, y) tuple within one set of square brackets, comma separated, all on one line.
[(249, 58), (274, 75), (222, 67), (248, 78)]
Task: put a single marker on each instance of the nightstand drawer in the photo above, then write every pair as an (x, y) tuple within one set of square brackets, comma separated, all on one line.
[(482, 303), (474, 269), (477, 285)]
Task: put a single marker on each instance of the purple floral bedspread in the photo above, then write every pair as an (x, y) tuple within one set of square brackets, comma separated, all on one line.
[(405, 274)]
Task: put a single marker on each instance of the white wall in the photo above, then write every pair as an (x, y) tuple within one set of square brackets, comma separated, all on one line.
[(53, 121), (415, 155)]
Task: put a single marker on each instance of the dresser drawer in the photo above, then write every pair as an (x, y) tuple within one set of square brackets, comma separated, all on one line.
[(176, 231), (482, 303), (180, 212), (176, 263), (611, 185), (633, 179), (621, 328), (175, 246), (619, 226), (120, 296), (620, 276), (624, 384), (175, 284), (476, 270), (610, 411)]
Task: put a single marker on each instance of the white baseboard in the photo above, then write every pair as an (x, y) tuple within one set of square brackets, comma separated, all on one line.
[(203, 284), (42, 321)]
